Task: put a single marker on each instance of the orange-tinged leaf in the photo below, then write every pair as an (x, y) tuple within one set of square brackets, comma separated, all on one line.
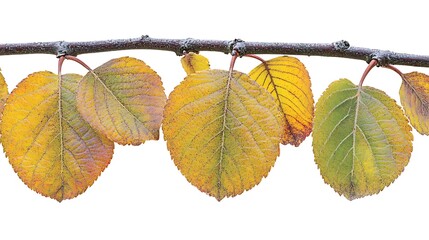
[(3, 94), (289, 83), (414, 94), (361, 139), (223, 131), (51, 148), (193, 62), (123, 99)]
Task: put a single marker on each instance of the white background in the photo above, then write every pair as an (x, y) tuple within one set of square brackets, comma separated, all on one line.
[(142, 195)]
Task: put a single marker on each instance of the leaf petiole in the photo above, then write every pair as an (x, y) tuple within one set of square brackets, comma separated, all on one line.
[(75, 59), (255, 57), (393, 68), (370, 66)]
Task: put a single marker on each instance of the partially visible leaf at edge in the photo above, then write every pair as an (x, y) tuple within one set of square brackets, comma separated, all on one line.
[(414, 95), (361, 139), (289, 83), (124, 100), (193, 62), (223, 133), (3, 94), (51, 148)]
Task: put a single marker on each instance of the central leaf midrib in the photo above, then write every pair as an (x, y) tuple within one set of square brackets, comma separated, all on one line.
[(358, 97), (60, 122), (225, 110)]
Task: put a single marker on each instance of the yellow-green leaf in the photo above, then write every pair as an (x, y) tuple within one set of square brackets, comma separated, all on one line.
[(3, 94), (123, 99), (51, 148), (223, 131), (414, 94), (361, 139), (289, 83), (193, 62)]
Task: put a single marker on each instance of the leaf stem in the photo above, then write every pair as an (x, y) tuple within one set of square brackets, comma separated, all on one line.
[(370, 66), (255, 57), (75, 59), (232, 64), (60, 64), (393, 68)]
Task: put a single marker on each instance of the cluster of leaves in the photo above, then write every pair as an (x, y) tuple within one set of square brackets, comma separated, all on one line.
[(58, 130), (223, 128)]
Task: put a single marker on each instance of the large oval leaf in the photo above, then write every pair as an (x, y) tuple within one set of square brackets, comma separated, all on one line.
[(51, 148), (123, 99), (414, 94), (361, 139), (223, 131), (289, 83)]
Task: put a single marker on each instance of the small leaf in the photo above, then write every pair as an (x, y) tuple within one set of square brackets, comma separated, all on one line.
[(193, 62), (361, 139), (3, 94), (123, 99), (223, 132), (289, 83), (414, 94), (51, 148)]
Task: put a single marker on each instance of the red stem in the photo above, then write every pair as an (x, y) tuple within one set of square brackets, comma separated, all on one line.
[(233, 59), (370, 66), (388, 66), (75, 59), (60, 64), (255, 57)]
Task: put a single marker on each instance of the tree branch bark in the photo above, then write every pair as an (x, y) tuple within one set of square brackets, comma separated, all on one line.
[(340, 49)]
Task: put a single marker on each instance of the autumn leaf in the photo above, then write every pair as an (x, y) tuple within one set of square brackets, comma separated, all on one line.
[(193, 62), (289, 83), (414, 94), (123, 99), (223, 131), (361, 139), (51, 148), (3, 94)]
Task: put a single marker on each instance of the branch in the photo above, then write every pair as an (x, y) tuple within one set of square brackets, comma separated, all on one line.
[(341, 49)]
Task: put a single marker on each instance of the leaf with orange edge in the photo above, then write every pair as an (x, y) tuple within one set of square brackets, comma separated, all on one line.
[(124, 100), (414, 95), (194, 62), (51, 148), (289, 83), (223, 131)]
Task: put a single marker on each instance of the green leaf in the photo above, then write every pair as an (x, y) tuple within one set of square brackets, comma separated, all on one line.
[(361, 139)]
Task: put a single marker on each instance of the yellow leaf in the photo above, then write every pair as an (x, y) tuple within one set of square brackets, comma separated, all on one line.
[(223, 132), (51, 148), (289, 83), (361, 139), (414, 94), (3, 94), (193, 62), (123, 99)]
